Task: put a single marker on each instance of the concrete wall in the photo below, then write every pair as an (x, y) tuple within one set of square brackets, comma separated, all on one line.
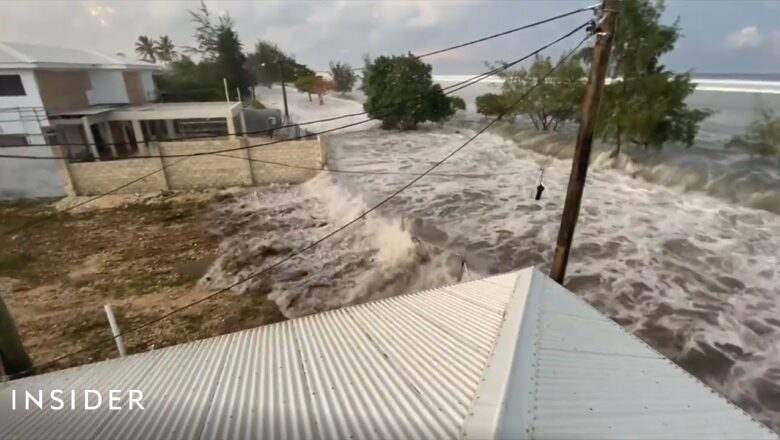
[(20, 178), (92, 178), (303, 154), (150, 88), (63, 91), (11, 121), (107, 87), (134, 87), (207, 171)]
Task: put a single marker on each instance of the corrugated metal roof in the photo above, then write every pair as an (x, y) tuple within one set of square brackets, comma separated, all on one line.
[(26, 55), (510, 354), (577, 374)]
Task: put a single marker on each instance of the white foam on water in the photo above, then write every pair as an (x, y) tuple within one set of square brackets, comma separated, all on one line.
[(693, 275)]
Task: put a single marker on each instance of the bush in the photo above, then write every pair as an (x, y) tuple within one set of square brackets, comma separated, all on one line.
[(457, 103), (491, 104), (400, 92), (257, 105), (343, 76)]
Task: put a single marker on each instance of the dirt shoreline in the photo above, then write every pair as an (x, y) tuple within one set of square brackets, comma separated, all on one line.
[(141, 254)]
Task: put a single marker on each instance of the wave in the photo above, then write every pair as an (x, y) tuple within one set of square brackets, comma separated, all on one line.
[(734, 177), (702, 84)]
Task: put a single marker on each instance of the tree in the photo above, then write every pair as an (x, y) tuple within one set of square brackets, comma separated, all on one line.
[(762, 136), (343, 76), (185, 80), (457, 103), (400, 92), (645, 104), (265, 62), (230, 61), (546, 96), (166, 50), (207, 31), (145, 48), (306, 84), (491, 104), (321, 87)]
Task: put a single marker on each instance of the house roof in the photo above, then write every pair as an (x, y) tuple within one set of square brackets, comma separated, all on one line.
[(509, 356), (37, 56)]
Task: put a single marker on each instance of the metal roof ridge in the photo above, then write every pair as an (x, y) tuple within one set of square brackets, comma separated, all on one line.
[(674, 365), (487, 406), (22, 57)]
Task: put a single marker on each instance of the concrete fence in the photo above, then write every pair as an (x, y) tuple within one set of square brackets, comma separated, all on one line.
[(291, 162)]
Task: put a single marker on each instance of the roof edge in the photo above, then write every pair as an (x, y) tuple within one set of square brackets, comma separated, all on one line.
[(489, 404)]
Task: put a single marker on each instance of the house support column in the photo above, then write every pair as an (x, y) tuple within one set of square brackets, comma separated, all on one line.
[(231, 125), (139, 137), (170, 129), (109, 137), (243, 122), (89, 138)]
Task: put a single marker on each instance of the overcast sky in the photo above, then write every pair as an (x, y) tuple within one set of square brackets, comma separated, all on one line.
[(741, 36)]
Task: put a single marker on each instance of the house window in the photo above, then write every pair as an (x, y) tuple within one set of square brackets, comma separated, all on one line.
[(11, 85), (12, 140)]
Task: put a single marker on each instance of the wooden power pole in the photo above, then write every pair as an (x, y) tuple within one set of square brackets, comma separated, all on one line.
[(605, 30), (13, 358)]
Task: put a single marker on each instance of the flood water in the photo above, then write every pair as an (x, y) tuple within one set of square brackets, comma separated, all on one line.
[(681, 247)]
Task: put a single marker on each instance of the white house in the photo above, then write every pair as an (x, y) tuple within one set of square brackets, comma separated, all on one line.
[(98, 106), (38, 82)]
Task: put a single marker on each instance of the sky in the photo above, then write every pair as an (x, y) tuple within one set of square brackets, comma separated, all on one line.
[(719, 36)]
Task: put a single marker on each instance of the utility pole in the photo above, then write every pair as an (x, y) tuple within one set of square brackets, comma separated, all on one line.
[(284, 92), (13, 358), (605, 29)]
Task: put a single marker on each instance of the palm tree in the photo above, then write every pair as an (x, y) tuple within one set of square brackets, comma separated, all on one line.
[(165, 50), (145, 48)]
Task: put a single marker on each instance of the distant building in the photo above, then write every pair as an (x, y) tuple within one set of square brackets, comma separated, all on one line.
[(99, 106)]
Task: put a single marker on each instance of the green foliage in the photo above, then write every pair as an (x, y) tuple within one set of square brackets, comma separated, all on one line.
[(222, 57), (230, 61), (207, 32), (491, 104), (306, 84), (546, 98), (185, 80), (762, 137), (645, 103), (166, 50), (145, 48), (457, 103), (400, 92), (267, 61), (257, 105), (343, 76)]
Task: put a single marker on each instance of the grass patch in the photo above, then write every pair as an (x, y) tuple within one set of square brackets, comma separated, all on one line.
[(12, 263)]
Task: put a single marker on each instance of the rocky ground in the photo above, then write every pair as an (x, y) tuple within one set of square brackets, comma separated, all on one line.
[(141, 255)]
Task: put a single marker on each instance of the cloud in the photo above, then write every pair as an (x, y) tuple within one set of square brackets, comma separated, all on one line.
[(746, 37), (750, 37)]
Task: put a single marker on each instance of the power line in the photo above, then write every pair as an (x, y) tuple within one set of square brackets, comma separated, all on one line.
[(270, 130), (504, 67), (448, 91), (23, 226), (330, 234), (367, 172), (500, 34)]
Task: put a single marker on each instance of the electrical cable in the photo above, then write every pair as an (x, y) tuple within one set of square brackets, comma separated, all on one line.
[(270, 130), (330, 234), (449, 90)]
